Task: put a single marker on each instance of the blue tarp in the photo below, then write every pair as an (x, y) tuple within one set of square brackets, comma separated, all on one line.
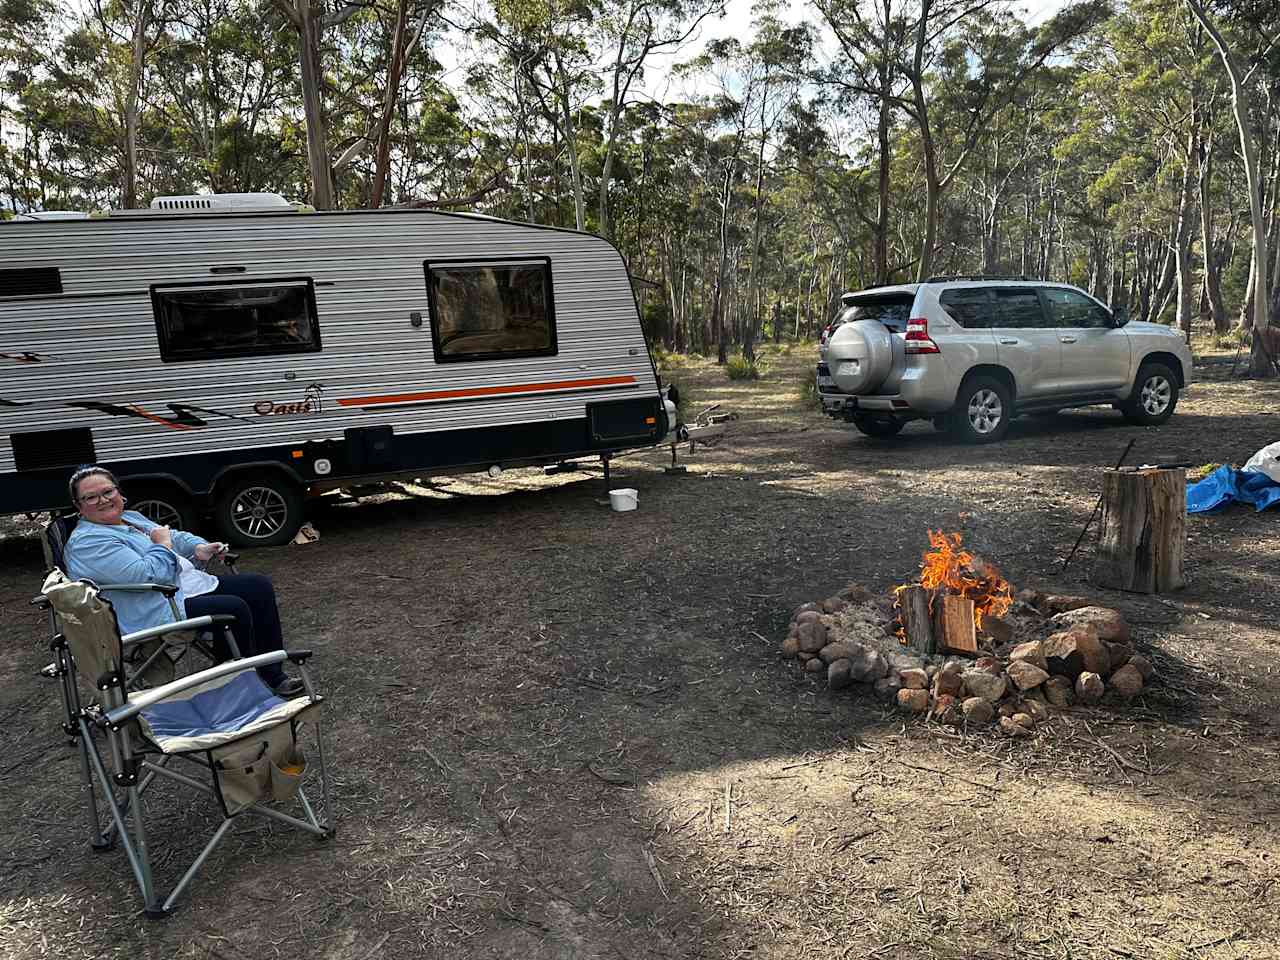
[(1227, 484)]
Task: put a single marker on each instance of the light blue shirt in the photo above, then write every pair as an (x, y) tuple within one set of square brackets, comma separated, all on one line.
[(120, 554)]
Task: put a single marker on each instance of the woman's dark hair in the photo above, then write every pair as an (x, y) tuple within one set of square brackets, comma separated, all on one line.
[(88, 470)]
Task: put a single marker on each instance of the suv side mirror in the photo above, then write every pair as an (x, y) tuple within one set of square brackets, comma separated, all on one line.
[(1120, 315)]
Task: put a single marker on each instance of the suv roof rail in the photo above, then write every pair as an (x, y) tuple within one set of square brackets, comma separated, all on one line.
[(982, 276)]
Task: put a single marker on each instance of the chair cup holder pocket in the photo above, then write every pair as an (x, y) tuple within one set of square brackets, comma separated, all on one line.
[(287, 773)]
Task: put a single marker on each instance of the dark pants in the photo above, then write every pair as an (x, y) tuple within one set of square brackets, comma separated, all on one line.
[(250, 598)]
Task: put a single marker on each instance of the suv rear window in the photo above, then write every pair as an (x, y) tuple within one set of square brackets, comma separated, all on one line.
[(968, 306), (891, 309)]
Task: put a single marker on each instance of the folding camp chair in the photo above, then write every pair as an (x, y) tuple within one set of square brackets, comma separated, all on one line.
[(240, 739)]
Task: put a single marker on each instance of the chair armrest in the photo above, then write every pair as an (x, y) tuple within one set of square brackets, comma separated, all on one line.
[(194, 623), (140, 701), (168, 589)]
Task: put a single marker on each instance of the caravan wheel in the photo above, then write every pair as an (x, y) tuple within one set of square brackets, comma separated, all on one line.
[(162, 504), (263, 510)]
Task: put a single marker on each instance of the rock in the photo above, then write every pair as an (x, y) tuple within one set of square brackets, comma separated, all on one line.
[(812, 635), (1126, 682), (991, 665), (913, 679), (978, 710), (1035, 709), (1142, 665), (899, 661), (1031, 598), (946, 709), (998, 629), (931, 669), (834, 605), (1089, 687), (1118, 653), (1031, 652), (815, 666), (979, 683), (1024, 720), (838, 674), (868, 665), (1107, 623), (791, 645), (886, 688), (1071, 652), (917, 701), (839, 651), (1026, 675), (1059, 603), (856, 593), (1058, 691), (803, 611), (948, 682), (1011, 729), (805, 657), (1007, 708)]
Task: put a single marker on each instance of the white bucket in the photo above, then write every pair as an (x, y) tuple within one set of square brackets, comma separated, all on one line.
[(624, 499)]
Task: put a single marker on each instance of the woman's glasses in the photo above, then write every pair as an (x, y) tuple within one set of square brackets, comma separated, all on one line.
[(102, 496)]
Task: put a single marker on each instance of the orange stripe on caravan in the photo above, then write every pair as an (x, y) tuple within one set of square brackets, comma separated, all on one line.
[(484, 391)]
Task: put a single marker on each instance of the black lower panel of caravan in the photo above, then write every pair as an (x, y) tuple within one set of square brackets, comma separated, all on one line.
[(615, 425)]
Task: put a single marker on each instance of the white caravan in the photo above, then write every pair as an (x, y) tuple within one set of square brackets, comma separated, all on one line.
[(224, 354)]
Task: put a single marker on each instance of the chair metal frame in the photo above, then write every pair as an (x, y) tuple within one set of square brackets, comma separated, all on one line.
[(132, 771)]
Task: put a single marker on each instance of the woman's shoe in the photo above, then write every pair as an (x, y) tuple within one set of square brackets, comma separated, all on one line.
[(289, 687)]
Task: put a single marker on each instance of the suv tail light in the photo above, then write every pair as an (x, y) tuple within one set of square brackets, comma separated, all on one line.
[(918, 339)]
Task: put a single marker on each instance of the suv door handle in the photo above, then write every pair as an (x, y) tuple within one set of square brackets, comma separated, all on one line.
[(1009, 341), (1067, 339)]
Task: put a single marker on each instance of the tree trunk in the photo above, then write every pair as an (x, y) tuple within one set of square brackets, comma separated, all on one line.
[(1186, 226), (1260, 360), (880, 233), (390, 95), (312, 73), (138, 52), (1212, 267)]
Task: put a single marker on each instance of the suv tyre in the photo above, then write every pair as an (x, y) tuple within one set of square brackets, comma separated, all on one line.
[(983, 410), (1155, 395), (882, 428)]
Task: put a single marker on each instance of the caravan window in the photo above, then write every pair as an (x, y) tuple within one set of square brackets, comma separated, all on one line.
[(487, 310), (235, 319)]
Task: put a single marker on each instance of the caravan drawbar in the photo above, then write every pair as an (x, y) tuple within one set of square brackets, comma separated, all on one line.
[(225, 354)]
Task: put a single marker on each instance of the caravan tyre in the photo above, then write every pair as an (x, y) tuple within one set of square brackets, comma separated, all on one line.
[(163, 504), (260, 510)]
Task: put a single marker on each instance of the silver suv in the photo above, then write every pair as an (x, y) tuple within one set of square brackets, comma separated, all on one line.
[(971, 353)]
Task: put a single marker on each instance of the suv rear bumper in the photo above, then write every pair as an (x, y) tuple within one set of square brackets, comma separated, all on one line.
[(912, 401)]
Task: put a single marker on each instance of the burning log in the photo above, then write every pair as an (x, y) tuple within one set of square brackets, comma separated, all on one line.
[(917, 621), (954, 627)]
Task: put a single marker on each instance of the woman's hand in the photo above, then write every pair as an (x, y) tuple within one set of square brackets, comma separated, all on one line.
[(204, 552), (162, 536)]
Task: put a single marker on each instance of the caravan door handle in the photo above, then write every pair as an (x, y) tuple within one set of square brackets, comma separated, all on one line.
[(1067, 339), (1009, 341)]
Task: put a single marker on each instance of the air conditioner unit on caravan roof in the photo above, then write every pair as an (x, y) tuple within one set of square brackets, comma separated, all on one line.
[(227, 202)]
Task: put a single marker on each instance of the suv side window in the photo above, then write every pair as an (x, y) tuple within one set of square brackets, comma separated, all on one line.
[(968, 306), (1067, 308), (1019, 308)]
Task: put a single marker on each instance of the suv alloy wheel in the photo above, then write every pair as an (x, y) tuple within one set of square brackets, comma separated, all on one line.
[(983, 410), (1155, 395)]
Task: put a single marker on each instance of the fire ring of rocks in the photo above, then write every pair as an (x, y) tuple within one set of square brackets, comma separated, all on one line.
[(961, 648)]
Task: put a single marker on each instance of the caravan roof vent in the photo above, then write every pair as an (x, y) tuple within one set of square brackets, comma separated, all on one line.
[(227, 202)]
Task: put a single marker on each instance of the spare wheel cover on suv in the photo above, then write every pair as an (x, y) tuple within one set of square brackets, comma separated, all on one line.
[(860, 356)]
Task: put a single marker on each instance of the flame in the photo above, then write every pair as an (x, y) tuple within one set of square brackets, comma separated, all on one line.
[(949, 569)]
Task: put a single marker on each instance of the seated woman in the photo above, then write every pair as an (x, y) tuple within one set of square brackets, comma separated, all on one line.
[(112, 545)]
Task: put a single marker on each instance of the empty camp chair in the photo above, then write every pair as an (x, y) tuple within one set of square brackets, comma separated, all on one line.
[(237, 741)]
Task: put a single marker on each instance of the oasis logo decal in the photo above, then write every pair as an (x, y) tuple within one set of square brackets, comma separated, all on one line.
[(310, 403)]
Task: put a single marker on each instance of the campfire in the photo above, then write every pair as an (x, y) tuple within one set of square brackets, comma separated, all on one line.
[(956, 594), (961, 647)]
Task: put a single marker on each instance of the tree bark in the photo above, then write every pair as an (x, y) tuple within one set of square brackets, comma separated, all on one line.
[(1143, 531), (1186, 226), (308, 23)]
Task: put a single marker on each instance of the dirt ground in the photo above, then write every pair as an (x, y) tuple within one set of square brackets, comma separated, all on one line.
[(563, 732)]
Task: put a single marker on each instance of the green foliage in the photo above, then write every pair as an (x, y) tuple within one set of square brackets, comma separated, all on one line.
[(739, 367)]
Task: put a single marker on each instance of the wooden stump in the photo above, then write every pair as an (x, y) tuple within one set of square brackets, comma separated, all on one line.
[(917, 625), (954, 629), (1143, 531)]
